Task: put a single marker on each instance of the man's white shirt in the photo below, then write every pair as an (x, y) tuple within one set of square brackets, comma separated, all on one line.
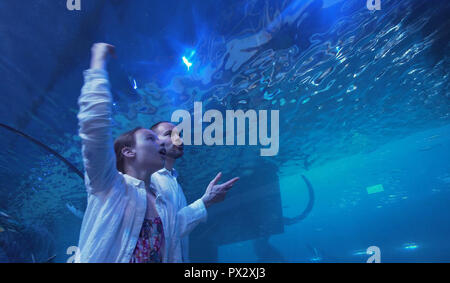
[(187, 216)]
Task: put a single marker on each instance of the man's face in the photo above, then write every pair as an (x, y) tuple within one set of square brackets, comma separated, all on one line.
[(150, 152), (168, 136)]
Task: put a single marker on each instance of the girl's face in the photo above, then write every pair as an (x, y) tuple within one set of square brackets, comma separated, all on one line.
[(149, 150)]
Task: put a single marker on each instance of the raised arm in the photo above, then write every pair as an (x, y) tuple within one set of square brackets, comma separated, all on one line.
[(94, 118)]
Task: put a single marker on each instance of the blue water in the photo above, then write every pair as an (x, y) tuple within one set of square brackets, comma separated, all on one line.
[(363, 97)]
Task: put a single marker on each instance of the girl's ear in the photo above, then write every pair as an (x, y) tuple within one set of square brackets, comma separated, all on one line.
[(128, 152)]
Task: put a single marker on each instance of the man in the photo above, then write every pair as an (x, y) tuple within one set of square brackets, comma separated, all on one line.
[(165, 181)]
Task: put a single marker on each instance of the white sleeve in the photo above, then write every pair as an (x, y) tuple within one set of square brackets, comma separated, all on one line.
[(189, 216), (95, 116)]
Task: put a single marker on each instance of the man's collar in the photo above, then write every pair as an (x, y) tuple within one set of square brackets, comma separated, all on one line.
[(172, 172)]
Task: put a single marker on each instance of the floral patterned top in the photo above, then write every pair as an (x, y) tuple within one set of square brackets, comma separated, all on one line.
[(148, 247)]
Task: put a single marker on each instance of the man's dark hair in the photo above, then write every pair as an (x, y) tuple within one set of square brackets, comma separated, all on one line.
[(159, 123), (127, 139)]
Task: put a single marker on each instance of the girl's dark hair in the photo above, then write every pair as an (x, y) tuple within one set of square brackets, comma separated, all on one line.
[(127, 139)]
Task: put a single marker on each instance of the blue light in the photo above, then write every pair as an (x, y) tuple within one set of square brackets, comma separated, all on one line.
[(135, 84), (410, 246), (186, 62), (315, 259), (361, 252)]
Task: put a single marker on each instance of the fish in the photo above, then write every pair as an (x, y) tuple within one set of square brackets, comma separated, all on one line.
[(74, 211), (4, 214), (360, 252), (445, 179), (316, 254), (49, 260)]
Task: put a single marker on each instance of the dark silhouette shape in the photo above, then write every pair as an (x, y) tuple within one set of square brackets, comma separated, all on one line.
[(266, 252), (309, 207), (38, 143)]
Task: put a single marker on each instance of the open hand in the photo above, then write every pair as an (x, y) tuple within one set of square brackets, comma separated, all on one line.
[(216, 193)]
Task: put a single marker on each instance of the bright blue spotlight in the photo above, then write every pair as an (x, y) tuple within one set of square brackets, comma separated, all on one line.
[(135, 84), (410, 246), (186, 62)]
